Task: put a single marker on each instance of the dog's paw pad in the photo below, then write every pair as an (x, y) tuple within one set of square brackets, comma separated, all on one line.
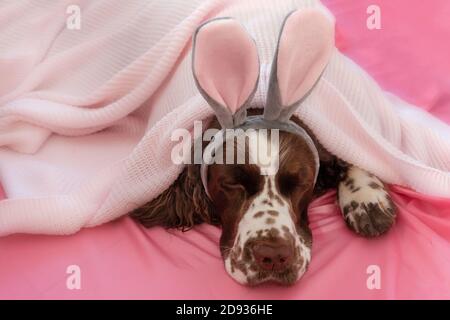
[(365, 203)]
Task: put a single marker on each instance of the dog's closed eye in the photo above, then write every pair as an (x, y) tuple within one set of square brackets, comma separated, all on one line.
[(243, 177), (248, 177), (288, 183), (231, 185)]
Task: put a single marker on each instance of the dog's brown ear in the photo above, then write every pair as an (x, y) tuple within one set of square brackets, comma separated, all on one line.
[(183, 205)]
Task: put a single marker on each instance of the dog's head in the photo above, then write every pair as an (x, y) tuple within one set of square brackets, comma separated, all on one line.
[(260, 206), (265, 233)]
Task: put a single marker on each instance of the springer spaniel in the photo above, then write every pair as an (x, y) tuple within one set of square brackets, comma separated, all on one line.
[(263, 212)]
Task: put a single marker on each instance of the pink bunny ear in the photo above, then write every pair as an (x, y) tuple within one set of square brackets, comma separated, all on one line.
[(226, 67), (304, 49)]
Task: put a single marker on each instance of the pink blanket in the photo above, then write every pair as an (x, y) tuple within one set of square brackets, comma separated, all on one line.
[(120, 259)]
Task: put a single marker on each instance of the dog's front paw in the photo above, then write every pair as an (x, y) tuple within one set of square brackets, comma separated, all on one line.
[(365, 203)]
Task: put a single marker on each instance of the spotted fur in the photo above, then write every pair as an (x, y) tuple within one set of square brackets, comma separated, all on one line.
[(365, 203)]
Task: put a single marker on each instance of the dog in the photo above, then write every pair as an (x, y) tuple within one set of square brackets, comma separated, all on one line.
[(263, 213)]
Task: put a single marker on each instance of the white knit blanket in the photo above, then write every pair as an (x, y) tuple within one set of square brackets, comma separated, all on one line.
[(86, 115)]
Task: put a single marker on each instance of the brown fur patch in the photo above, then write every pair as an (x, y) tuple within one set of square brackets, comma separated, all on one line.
[(374, 185), (274, 232), (356, 190), (273, 213), (259, 214)]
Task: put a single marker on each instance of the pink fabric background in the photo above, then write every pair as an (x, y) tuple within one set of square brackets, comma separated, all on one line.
[(409, 57)]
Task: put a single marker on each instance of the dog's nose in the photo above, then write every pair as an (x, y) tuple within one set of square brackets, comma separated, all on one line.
[(273, 256)]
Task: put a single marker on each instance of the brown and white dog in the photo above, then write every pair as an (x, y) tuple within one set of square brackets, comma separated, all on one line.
[(262, 212)]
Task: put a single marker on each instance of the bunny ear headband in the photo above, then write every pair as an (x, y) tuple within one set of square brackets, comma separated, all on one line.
[(226, 71)]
